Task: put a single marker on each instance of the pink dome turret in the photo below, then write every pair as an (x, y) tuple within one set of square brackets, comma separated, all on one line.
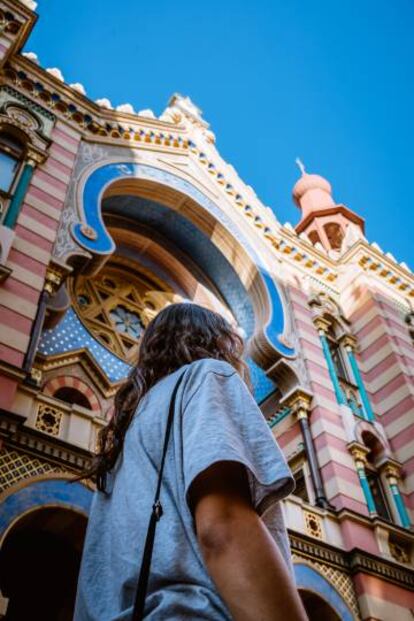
[(311, 193), (322, 219)]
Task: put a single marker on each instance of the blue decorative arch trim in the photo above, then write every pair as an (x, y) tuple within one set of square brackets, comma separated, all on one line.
[(91, 199), (309, 579), (42, 493)]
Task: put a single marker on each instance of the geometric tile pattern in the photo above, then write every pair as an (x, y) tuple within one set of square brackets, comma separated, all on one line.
[(48, 419), (15, 466), (340, 580), (70, 334)]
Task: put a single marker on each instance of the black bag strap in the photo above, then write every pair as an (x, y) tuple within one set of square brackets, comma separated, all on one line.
[(156, 514)]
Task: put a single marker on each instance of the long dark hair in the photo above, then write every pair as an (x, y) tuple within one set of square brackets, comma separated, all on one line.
[(178, 335)]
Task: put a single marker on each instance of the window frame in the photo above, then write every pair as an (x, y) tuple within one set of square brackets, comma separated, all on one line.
[(371, 473), (337, 351), (302, 467), (8, 138)]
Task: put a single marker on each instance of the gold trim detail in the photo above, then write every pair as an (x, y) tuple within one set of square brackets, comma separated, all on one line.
[(48, 419), (313, 524), (400, 551)]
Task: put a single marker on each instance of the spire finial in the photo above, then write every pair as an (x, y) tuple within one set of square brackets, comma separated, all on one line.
[(301, 165)]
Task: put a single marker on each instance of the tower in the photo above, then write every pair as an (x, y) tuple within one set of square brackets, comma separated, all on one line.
[(322, 220)]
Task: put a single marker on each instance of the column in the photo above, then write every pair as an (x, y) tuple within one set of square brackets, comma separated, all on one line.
[(299, 403), (19, 194), (322, 326), (53, 280), (392, 475), (349, 342), (359, 453)]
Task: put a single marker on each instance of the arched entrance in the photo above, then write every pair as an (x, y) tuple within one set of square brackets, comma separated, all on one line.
[(317, 608), (321, 599), (42, 528), (172, 192), (39, 564), (154, 220)]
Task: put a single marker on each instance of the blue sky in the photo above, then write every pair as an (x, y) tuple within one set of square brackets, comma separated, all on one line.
[(331, 82)]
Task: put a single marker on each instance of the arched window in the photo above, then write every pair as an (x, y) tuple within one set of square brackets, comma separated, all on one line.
[(338, 356), (377, 492), (72, 396), (314, 237), (11, 155), (334, 234), (301, 488), (410, 322), (373, 477)]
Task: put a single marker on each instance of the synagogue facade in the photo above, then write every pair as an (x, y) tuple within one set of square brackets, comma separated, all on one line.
[(107, 216)]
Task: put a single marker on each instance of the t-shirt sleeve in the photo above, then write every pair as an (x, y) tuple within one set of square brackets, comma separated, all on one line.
[(222, 422)]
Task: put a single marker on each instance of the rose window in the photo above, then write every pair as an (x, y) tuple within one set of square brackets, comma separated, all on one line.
[(116, 306), (127, 322)]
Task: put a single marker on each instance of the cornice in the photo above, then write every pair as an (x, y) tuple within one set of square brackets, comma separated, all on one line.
[(12, 371), (18, 21), (375, 262), (363, 562), (308, 548), (353, 561), (37, 444), (77, 109), (348, 213), (15, 6), (97, 124), (84, 358), (28, 103)]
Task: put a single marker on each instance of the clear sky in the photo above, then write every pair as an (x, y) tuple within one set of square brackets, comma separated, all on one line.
[(329, 81)]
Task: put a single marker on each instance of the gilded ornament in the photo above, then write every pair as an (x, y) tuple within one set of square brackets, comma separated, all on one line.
[(88, 232)]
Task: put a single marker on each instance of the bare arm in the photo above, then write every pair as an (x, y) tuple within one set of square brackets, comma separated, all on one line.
[(241, 556)]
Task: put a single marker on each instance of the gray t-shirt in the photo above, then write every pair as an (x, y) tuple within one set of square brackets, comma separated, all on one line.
[(216, 419)]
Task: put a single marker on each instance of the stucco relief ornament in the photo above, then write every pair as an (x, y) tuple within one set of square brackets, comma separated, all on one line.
[(125, 170), (298, 363), (185, 105), (65, 245), (25, 120), (321, 303), (183, 110), (91, 153)]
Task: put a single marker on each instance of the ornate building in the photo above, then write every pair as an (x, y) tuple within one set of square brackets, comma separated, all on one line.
[(106, 216)]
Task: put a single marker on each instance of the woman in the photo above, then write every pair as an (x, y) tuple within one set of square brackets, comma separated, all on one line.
[(214, 557)]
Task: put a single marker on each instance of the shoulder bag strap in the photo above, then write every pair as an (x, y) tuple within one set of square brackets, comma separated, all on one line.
[(138, 612)]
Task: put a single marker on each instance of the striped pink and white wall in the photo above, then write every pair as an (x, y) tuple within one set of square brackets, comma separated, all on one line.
[(386, 357), (30, 254), (337, 466)]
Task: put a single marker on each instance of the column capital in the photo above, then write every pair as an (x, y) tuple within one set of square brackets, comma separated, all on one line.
[(53, 280), (359, 452), (321, 324), (349, 342), (391, 470), (299, 402), (35, 156)]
